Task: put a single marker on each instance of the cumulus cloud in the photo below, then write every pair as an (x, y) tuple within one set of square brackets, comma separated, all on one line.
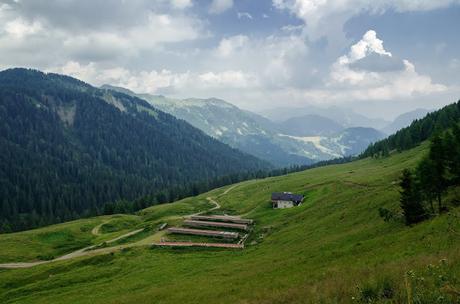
[(369, 71), (378, 63), (220, 6)]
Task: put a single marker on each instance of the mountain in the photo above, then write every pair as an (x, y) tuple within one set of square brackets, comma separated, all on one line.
[(240, 129), (348, 142), (252, 133), (309, 125), (344, 117), (404, 120), (67, 148)]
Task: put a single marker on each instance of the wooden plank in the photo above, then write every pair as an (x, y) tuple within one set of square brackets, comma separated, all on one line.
[(213, 233), (222, 218), (215, 224), (191, 244)]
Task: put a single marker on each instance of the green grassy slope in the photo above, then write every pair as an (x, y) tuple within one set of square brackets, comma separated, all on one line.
[(56, 240), (318, 252)]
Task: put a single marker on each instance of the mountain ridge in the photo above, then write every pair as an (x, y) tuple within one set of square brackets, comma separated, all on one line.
[(255, 134)]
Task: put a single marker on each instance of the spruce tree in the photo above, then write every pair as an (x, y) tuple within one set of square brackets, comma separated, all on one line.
[(410, 199), (424, 179), (439, 165)]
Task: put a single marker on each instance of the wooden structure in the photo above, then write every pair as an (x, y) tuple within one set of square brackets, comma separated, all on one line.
[(191, 244), (211, 233), (282, 200), (222, 218), (215, 224)]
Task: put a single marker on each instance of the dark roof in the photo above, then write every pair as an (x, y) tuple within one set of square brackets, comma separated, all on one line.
[(287, 196)]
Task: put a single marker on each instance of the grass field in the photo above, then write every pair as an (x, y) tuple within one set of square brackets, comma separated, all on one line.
[(335, 248)]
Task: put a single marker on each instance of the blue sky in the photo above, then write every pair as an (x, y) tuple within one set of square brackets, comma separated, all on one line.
[(379, 57)]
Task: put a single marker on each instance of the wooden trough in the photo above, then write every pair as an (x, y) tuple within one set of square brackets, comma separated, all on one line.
[(215, 224), (191, 244), (222, 218), (212, 233)]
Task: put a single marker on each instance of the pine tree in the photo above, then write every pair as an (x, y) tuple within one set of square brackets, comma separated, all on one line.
[(438, 178), (410, 199), (424, 179)]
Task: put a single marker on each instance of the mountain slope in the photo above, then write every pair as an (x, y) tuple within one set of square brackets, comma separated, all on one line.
[(334, 248), (255, 134), (348, 142), (404, 120), (310, 125), (67, 148), (231, 125)]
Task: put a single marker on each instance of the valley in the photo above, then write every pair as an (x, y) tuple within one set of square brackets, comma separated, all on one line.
[(229, 151)]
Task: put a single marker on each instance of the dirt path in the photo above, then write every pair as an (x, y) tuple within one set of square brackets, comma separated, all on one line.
[(95, 231), (74, 254)]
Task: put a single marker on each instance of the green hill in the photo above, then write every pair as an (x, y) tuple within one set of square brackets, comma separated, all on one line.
[(334, 248)]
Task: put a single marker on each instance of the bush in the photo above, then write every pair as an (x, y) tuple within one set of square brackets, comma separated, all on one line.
[(386, 214), (45, 257), (375, 292)]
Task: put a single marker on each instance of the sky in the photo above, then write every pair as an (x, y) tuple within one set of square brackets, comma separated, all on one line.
[(377, 57)]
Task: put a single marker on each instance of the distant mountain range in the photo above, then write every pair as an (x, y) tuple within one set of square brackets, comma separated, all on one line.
[(323, 121), (342, 116), (299, 140), (404, 120)]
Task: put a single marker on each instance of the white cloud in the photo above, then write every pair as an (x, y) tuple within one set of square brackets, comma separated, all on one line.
[(41, 41), (220, 6), (182, 4), (233, 79), (274, 59), (378, 84), (20, 28), (244, 15), (152, 81), (229, 46)]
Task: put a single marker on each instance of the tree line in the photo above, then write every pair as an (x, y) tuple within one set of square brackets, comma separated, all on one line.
[(423, 189)]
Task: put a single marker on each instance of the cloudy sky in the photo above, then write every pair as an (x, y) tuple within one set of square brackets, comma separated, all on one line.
[(379, 57)]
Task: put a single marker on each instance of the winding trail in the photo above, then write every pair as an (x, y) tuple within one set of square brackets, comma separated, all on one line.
[(90, 251), (95, 230), (78, 253)]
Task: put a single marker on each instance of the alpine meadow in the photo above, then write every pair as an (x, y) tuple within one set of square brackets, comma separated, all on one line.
[(229, 151)]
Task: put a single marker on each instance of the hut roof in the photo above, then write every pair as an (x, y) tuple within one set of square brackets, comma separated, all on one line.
[(286, 196)]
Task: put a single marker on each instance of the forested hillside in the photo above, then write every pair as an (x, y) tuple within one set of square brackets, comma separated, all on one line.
[(67, 149), (420, 130)]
